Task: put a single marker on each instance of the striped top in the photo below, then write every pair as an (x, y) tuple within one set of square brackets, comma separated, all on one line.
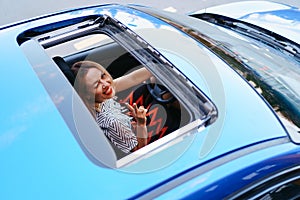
[(116, 125)]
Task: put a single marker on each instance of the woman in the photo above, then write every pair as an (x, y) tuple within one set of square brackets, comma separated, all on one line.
[(97, 89)]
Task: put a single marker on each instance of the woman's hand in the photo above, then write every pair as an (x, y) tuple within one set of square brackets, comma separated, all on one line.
[(139, 113)]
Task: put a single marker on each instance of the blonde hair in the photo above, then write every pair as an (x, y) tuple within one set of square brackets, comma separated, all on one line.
[(80, 70)]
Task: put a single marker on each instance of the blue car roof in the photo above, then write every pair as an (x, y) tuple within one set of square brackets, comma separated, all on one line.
[(41, 159)]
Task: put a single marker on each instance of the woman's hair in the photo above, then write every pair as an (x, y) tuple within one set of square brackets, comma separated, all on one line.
[(80, 70)]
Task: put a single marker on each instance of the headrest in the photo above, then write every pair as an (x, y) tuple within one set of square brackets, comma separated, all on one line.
[(65, 68)]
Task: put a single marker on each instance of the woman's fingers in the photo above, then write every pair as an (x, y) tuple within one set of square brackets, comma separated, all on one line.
[(137, 111), (144, 111), (129, 107)]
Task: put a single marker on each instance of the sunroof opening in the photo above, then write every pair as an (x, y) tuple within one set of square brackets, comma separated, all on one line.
[(104, 67)]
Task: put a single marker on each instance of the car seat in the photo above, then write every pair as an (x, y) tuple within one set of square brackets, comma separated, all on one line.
[(65, 68)]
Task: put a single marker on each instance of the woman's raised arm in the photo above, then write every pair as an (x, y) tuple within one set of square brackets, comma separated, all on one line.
[(132, 79)]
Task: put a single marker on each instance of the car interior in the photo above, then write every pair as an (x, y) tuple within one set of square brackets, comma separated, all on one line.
[(165, 113)]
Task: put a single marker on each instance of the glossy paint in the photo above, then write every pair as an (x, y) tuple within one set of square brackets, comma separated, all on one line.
[(279, 18), (41, 159), (229, 178)]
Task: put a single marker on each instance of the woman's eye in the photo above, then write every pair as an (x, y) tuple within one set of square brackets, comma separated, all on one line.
[(103, 76), (97, 83)]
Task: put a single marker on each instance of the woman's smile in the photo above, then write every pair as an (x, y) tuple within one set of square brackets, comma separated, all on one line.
[(107, 90)]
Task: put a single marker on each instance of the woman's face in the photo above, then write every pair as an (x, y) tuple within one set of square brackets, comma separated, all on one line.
[(101, 84)]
